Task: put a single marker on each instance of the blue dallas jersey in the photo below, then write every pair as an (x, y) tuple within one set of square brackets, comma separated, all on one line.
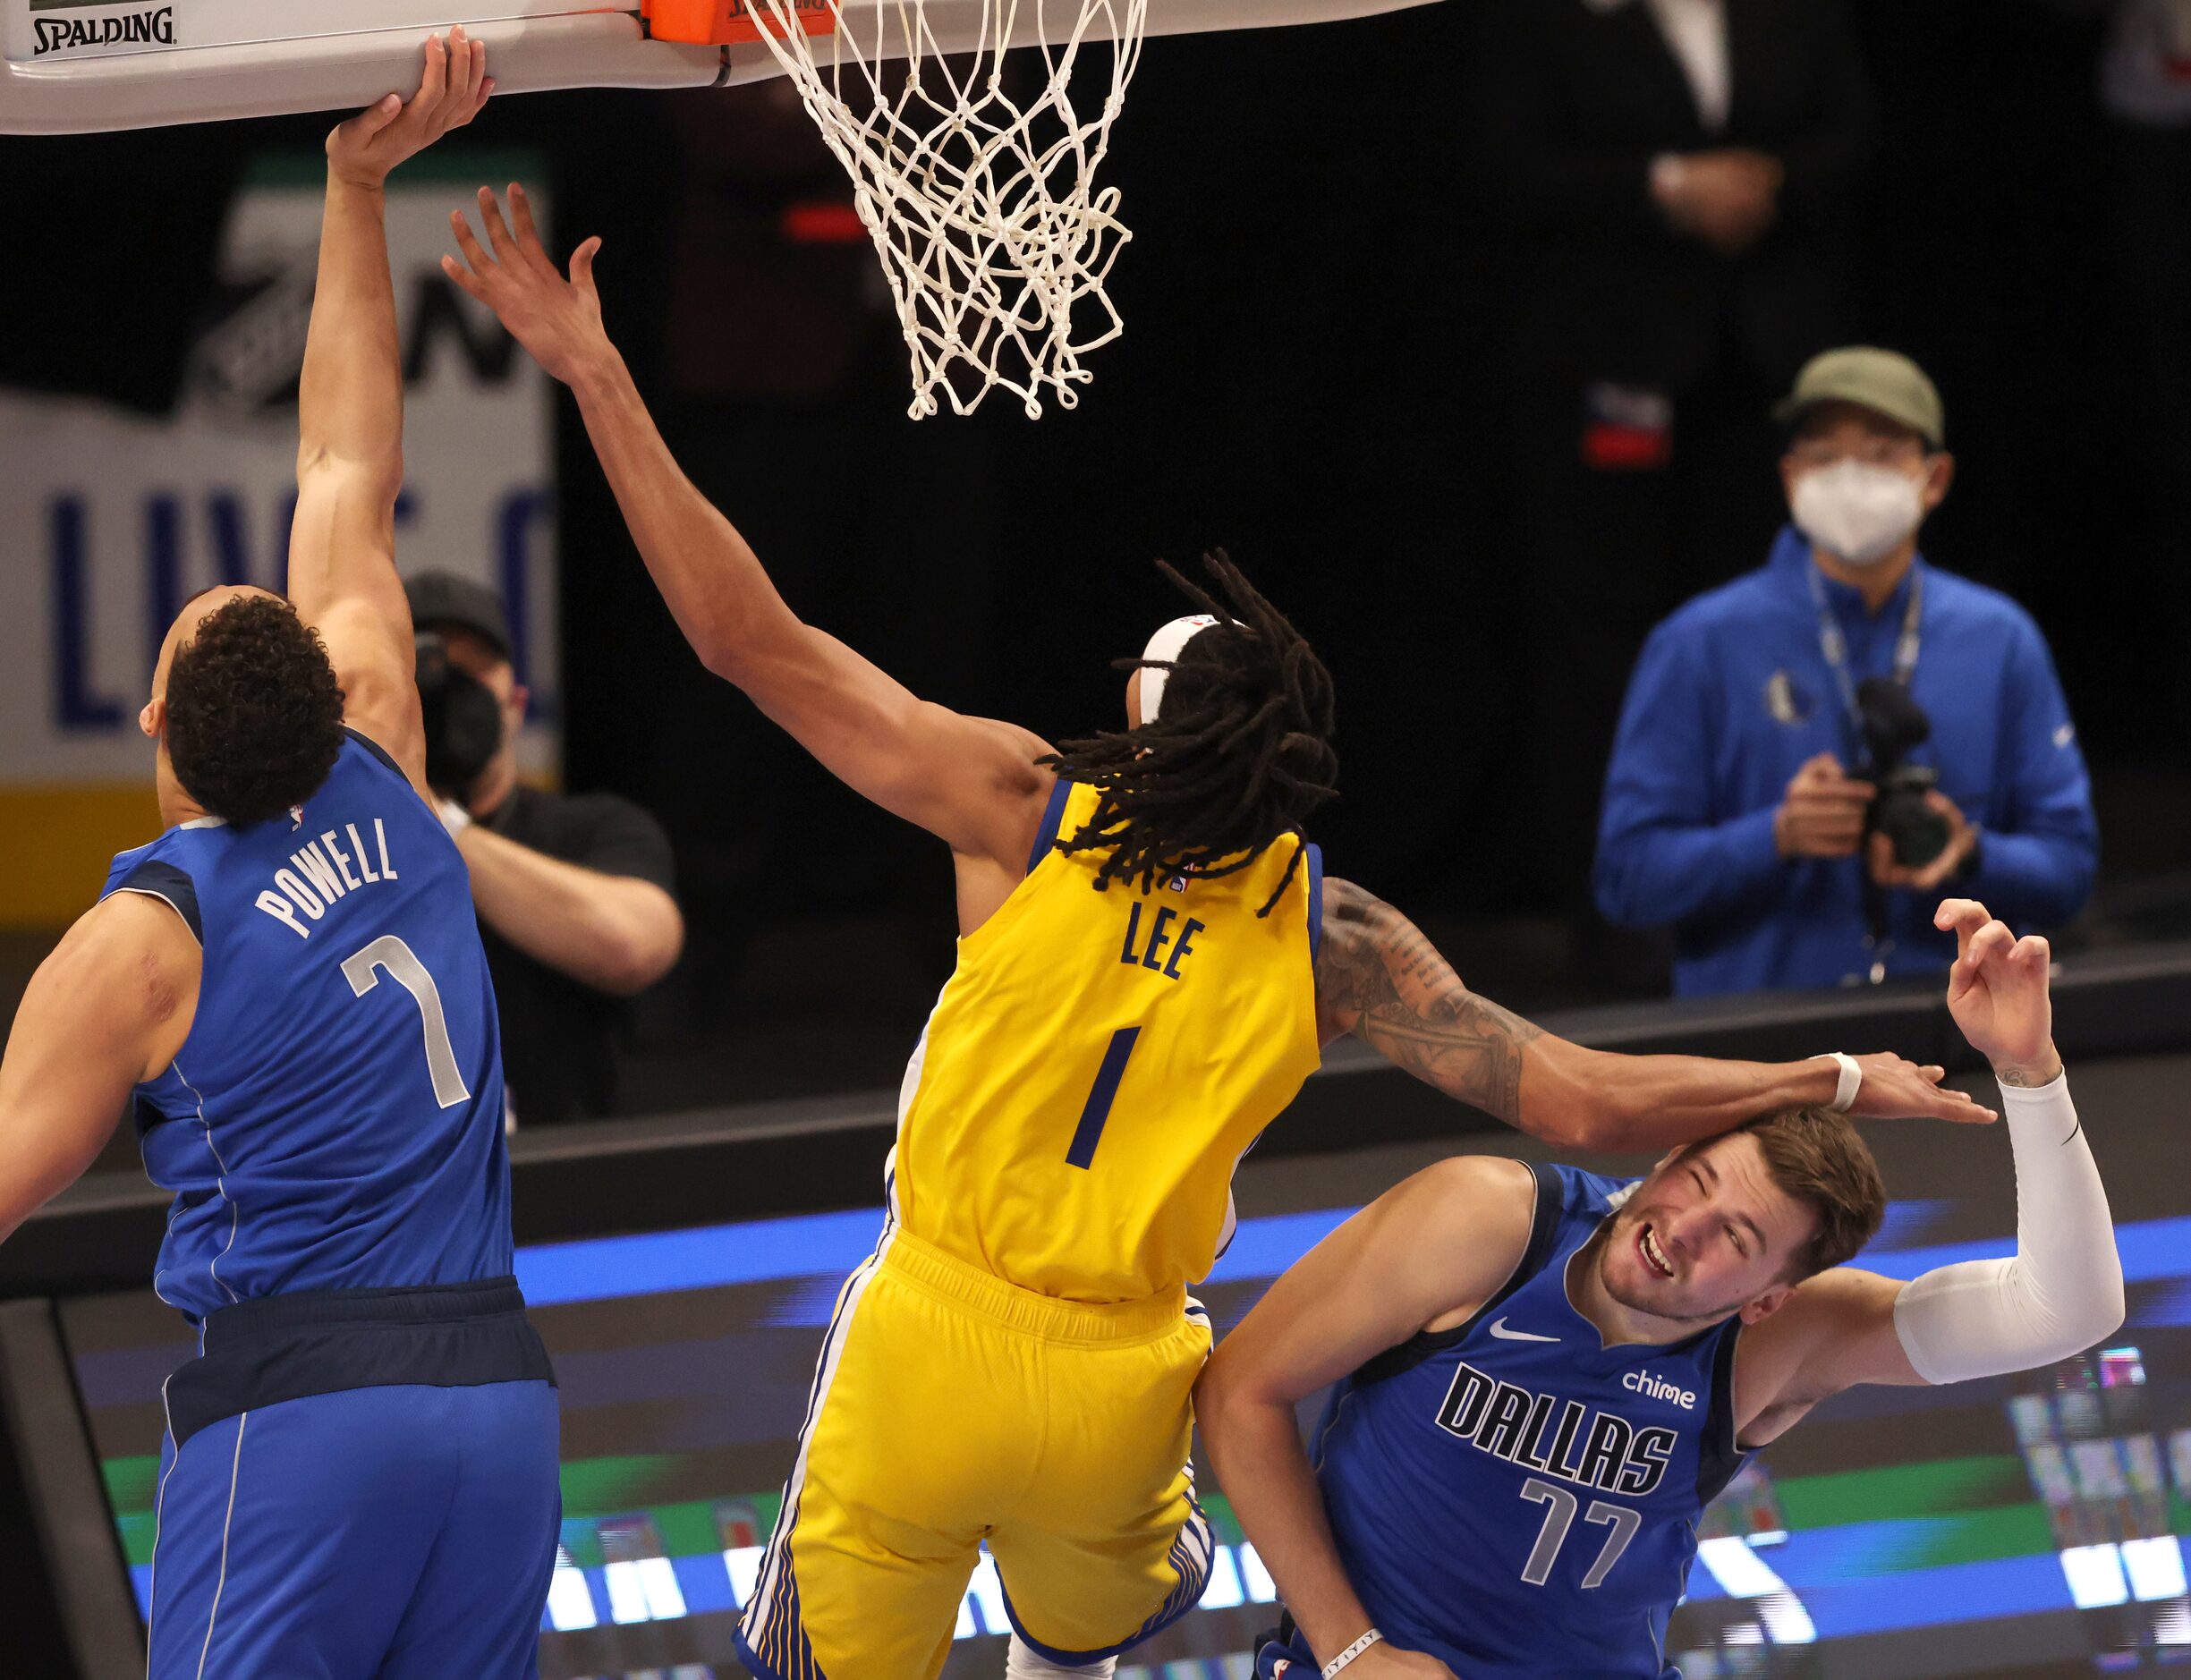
[(1514, 1498), (333, 1120)]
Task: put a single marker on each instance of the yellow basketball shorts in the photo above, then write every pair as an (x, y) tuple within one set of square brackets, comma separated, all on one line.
[(950, 1408)]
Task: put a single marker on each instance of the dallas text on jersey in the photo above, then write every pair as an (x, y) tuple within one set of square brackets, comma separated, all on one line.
[(1601, 1450)]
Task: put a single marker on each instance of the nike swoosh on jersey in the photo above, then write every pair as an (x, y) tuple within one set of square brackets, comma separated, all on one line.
[(1498, 1329)]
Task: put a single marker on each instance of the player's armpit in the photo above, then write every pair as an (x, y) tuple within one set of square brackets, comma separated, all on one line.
[(375, 656), (1442, 1240), (972, 782), (1835, 1331), (109, 1007)]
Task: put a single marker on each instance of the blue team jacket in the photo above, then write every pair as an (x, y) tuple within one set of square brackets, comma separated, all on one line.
[(1732, 693)]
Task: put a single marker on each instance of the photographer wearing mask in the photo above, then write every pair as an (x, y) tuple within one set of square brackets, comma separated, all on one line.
[(574, 892), (1812, 756)]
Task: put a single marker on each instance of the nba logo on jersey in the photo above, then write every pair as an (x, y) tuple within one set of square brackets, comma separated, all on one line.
[(1178, 883)]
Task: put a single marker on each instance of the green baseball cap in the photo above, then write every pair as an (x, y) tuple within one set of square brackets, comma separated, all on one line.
[(1881, 381)]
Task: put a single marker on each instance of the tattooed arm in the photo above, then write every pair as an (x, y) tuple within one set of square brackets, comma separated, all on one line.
[(1378, 978)]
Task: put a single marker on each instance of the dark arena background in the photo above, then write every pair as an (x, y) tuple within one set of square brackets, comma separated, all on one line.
[(1324, 372)]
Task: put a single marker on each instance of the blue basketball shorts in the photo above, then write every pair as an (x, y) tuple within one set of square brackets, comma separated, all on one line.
[(395, 1530)]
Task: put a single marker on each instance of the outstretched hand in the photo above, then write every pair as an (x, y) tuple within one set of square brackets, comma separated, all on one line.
[(557, 319), (1997, 992), (1897, 1090), (450, 92)]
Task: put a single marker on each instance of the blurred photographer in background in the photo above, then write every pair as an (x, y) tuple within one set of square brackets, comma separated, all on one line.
[(574, 892), (1812, 756)]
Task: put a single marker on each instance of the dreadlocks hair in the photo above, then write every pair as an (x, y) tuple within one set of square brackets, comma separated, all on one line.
[(1239, 756), (254, 712)]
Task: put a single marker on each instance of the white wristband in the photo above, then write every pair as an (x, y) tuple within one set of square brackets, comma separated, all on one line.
[(1351, 1652), (1851, 1080), (454, 816)]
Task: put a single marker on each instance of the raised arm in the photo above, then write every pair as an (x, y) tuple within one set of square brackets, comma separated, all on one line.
[(1442, 1242), (350, 409), (971, 781), (109, 1007), (2060, 1293), (1378, 978)]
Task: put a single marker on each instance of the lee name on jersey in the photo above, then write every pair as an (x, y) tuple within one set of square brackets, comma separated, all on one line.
[(1147, 940)]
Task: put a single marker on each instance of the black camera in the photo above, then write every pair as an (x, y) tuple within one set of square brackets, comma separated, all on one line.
[(464, 720), (1893, 724)]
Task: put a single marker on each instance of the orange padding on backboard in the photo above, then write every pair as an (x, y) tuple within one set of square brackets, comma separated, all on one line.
[(726, 22)]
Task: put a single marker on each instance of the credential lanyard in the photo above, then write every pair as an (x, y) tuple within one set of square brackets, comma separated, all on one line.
[(1834, 645)]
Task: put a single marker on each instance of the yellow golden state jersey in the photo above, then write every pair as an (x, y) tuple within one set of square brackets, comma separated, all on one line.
[(1099, 1062)]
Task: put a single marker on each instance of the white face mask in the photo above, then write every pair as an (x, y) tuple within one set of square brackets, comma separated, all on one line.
[(1857, 511)]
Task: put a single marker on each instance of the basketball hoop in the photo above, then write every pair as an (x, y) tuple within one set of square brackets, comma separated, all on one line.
[(981, 199), (993, 235)]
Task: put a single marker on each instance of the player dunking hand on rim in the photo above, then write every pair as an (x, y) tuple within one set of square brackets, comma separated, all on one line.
[(358, 1477), (1149, 959)]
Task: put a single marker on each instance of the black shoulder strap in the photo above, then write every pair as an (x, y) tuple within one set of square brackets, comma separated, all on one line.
[(1314, 857), (156, 877), (1053, 817), (1717, 1457), (1543, 1228), (377, 751)]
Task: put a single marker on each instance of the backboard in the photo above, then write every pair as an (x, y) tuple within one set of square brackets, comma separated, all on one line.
[(77, 66)]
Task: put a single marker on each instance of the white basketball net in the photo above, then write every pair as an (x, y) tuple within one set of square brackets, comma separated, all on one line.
[(985, 213)]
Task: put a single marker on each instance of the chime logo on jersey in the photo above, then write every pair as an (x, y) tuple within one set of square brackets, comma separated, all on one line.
[(1564, 1438), (1650, 1383)]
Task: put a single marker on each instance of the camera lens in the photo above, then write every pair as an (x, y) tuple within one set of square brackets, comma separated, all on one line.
[(1917, 832)]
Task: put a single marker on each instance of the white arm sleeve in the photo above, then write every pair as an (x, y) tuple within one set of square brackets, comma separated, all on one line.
[(2061, 1293)]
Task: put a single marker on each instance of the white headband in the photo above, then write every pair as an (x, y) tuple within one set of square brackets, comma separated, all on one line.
[(1167, 645)]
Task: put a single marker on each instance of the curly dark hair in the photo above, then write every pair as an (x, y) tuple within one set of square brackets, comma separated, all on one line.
[(254, 713), (1237, 758)]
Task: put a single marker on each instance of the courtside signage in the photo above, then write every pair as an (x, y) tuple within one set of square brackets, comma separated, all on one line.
[(111, 518)]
